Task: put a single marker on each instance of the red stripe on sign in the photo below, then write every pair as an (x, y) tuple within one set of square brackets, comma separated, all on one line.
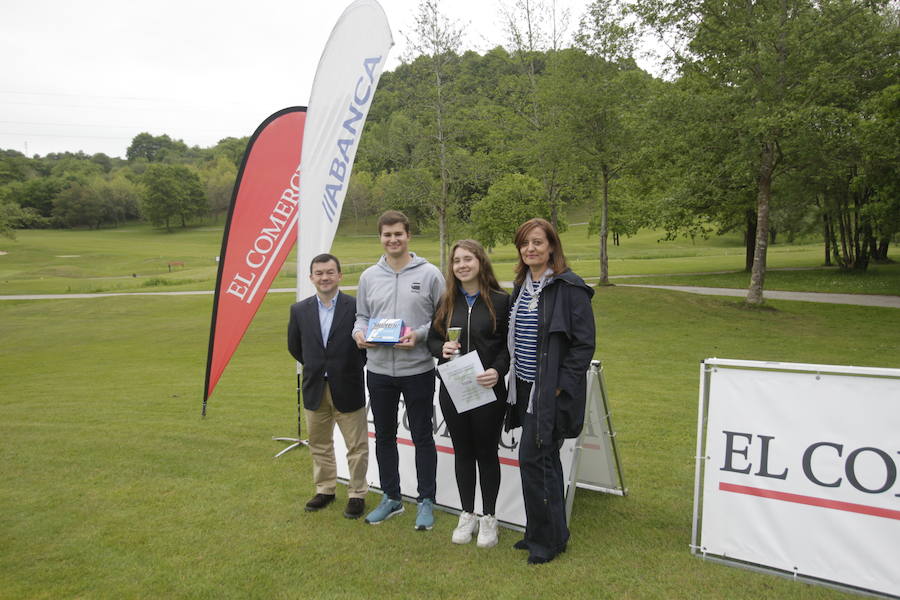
[(449, 450), (811, 501)]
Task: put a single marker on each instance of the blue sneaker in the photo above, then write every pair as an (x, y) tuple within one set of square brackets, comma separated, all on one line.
[(386, 509), (425, 515)]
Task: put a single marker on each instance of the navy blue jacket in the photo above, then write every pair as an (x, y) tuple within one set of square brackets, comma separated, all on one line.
[(341, 358), (565, 349)]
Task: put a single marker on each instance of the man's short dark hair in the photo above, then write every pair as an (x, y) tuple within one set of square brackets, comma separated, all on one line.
[(324, 258), (392, 217)]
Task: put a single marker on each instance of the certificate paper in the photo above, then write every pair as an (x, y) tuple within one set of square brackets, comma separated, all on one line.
[(458, 376)]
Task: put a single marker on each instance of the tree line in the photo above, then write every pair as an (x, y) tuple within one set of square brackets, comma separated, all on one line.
[(774, 118), (161, 180)]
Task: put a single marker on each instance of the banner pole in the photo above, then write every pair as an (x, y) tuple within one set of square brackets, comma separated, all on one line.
[(607, 414), (576, 459), (298, 441), (699, 456)]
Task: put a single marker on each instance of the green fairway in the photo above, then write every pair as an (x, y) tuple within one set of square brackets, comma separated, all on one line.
[(139, 258), (113, 486)]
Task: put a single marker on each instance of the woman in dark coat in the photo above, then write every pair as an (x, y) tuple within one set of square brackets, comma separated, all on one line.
[(551, 343), (474, 302)]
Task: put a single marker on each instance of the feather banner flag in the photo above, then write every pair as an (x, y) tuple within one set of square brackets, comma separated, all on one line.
[(259, 234), (280, 190), (341, 95)]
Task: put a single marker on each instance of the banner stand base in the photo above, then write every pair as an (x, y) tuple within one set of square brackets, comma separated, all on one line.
[(295, 444)]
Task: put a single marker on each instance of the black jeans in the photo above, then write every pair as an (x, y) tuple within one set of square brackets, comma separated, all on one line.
[(418, 396), (476, 436), (546, 531)]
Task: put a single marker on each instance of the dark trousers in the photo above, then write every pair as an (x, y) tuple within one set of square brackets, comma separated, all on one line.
[(546, 531), (476, 436), (418, 395)]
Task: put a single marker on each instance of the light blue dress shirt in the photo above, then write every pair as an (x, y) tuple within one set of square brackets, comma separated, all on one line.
[(326, 317)]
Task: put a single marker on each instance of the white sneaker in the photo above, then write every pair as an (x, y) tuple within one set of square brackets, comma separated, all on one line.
[(468, 523), (487, 531)]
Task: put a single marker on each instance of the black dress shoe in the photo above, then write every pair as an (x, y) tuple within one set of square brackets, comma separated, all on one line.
[(319, 501), (534, 559), (521, 545), (355, 508)]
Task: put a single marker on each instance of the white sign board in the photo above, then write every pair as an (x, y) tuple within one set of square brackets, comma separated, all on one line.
[(800, 470), (598, 466), (596, 444), (510, 507)]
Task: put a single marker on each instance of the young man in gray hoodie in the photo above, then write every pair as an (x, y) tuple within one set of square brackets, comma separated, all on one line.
[(404, 286)]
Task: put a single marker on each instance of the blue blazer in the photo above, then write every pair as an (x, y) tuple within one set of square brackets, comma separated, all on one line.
[(341, 358)]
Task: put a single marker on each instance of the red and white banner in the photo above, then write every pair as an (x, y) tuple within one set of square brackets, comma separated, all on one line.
[(281, 197), (341, 96), (800, 470), (259, 233)]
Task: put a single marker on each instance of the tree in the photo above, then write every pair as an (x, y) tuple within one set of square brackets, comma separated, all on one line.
[(119, 198), (14, 166), (437, 40), (881, 161), (392, 144), (154, 148), (535, 30), (846, 141), (415, 192), (38, 194), (697, 164), (96, 202), (218, 178), (765, 62), (595, 98), (172, 191), (360, 197), (231, 148), (74, 167), (78, 205), (13, 216), (510, 201)]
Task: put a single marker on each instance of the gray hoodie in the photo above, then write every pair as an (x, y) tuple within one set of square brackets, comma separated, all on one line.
[(413, 295)]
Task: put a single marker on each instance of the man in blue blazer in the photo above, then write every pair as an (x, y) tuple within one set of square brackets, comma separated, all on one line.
[(319, 338)]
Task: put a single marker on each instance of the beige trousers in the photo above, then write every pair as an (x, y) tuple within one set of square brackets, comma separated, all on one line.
[(354, 428)]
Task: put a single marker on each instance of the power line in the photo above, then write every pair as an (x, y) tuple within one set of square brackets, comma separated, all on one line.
[(98, 126), (96, 97), (56, 135)]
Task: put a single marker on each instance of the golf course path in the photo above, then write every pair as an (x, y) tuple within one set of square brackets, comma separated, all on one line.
[(856, 299)]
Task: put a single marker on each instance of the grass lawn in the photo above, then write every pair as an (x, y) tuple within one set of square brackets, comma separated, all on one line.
[(113, 486), (137, 257)]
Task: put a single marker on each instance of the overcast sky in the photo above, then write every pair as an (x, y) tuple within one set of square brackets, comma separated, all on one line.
[(91, 74)]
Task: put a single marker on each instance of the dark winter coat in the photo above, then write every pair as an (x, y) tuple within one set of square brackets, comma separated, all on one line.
[(478, 334), (565, 349)]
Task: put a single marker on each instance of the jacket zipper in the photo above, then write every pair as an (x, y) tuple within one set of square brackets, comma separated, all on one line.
[(396, 290), (469, 328), (537, 378)]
